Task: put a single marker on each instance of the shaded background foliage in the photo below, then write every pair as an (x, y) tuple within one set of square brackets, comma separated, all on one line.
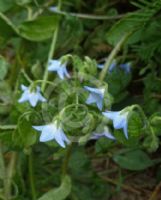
[(100, 169)]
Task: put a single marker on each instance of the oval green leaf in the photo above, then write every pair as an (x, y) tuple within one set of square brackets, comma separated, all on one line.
[(39, 29)]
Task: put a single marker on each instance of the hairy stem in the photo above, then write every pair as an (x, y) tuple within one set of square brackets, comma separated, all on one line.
[(66, 159), (9, 174), (88, 16), (51, 52), (31, 177), (112, 55)]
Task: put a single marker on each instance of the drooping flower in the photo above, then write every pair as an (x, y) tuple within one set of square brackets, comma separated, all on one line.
[(52, 132), (57, 66), (53, 8), (100, 66), (111, 67), (126, 67), (120, 120), (96, 96), (106, 133), (33, 96)]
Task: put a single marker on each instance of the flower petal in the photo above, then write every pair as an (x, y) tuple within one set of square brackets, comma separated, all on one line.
[(112, 66), (39, 128), (53, 8), (23, 87), (24, 97), (126, 67), (100, 66), (91, 99), (99, 91), (60, 72), (125, 129), (65, 138), (59, 138), (109, 135), (111, 115), (54, 65), (33, 98), (99, 103), (48, 133), (66, 72), (41, 98)]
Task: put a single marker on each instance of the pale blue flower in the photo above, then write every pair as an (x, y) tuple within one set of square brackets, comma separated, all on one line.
[(100, 66), (57, 66), (111, 67), (33, 96), (96, 96), (126, 67), (120, 120), (53, 8), (52, 132), (106, 133)]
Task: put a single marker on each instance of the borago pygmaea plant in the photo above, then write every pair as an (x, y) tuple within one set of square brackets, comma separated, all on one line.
[(75, 89)]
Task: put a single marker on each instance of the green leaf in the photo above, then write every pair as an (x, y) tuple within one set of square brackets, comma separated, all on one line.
[(24, 135), (7, 28), (103, 144), (131, 142), (151, 143), (126, 24), (23, 2), (5, 5), (135, 124), (133, 160), (5, 97), (3, 68), (59, 193), (117, 81), (132, 22), (79, 163), (2, 166), (39, 29)]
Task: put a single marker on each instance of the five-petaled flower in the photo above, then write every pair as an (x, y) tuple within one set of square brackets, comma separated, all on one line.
[(52, 132), (126, 67), (33, 96), (96, 96), (57, 66), (120, 120), (53, 8), (106, 133), (111, 67)]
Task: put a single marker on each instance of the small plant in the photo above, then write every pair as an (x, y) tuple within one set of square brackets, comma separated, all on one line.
[(80, 98)]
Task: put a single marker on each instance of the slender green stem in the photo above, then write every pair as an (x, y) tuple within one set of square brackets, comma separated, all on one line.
[(3, 169), (145, 120), (88, 16), (66, 159), (51, 52), (31, 177), (41, 81), (8, 127), (112, 55), (41, 8), (29, 12), (26, 76), (9, 174)]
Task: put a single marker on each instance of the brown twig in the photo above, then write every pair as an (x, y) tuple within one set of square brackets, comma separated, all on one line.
[(123, 186), (155, 192)]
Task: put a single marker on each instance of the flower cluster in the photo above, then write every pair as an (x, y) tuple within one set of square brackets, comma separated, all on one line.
[(126, 67), (54, 130), (31, 95)]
